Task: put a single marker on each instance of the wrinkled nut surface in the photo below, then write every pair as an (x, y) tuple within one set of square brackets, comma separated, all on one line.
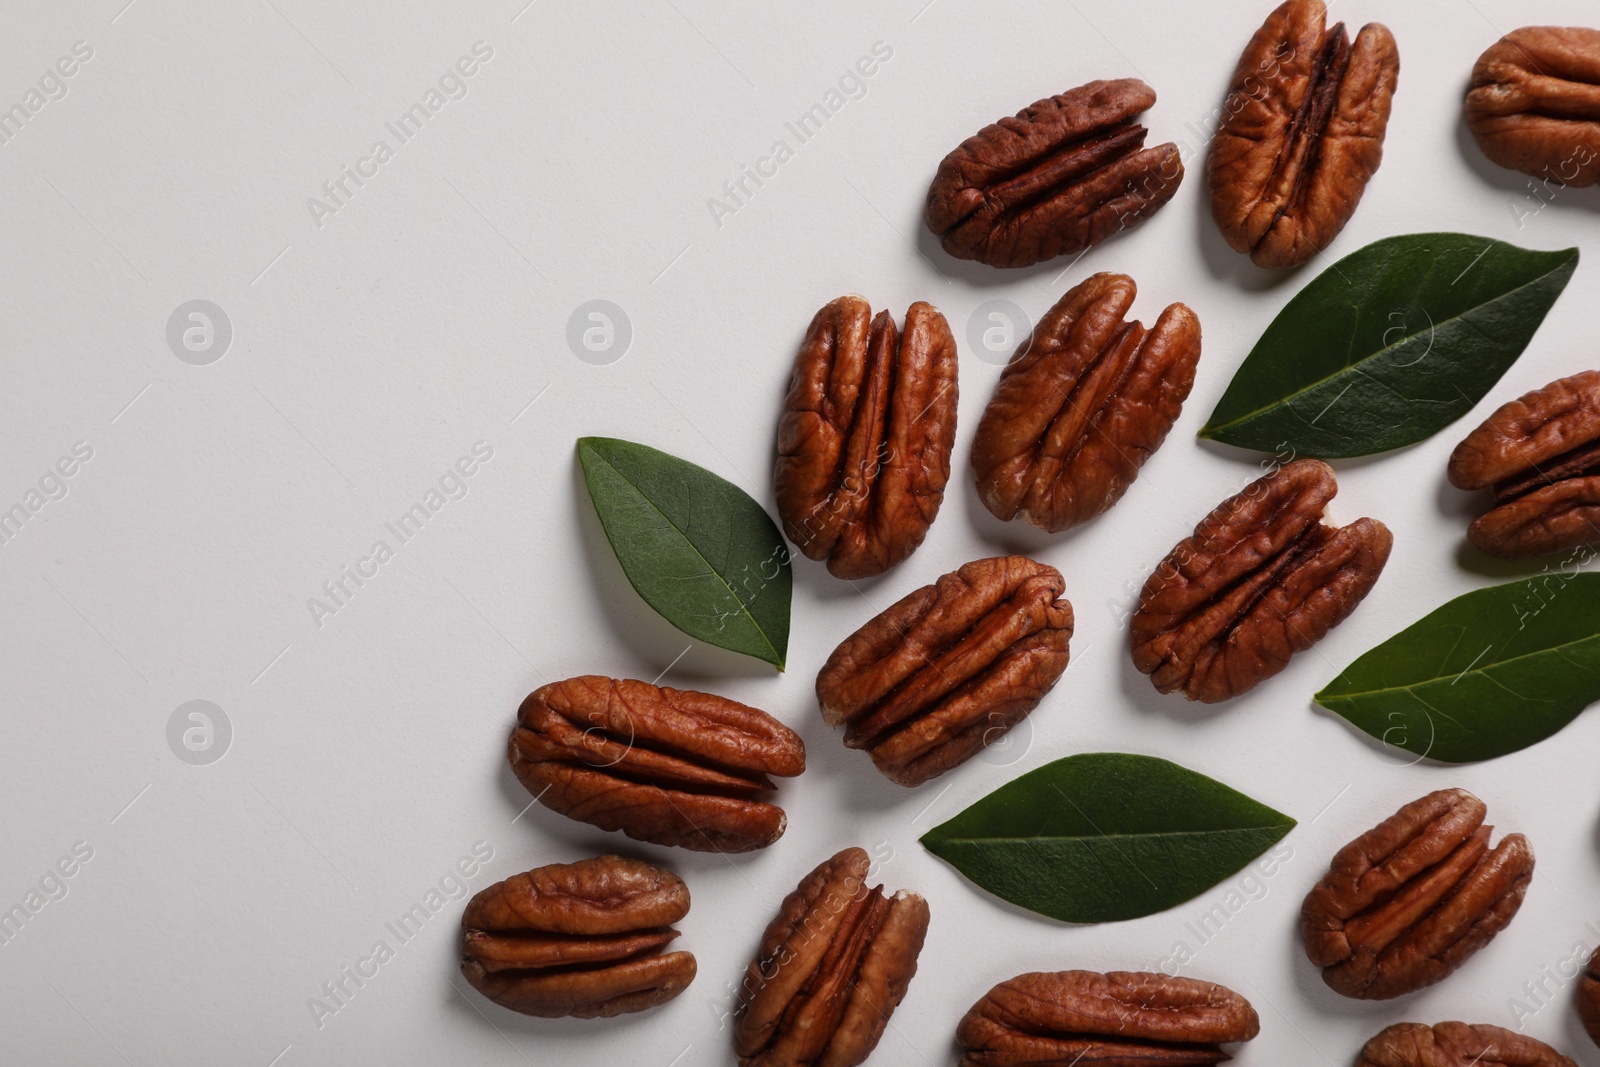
[(949, 668), (582, 939), (1301, 133), (1061, 176), (1261, 578), (864, 443), (1084, 402), (1457, 1045), (1588, 996), (668, 766), (1541, 455), (1410, 900), (1535, 100), (1121, 1019), (832, 967)]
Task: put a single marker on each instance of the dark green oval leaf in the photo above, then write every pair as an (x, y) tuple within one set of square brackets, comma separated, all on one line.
[(695, 546), (1105, 836), (1389, 345), (1488, 673)]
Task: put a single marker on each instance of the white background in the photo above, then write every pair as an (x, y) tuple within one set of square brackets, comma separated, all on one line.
[(428, 311)]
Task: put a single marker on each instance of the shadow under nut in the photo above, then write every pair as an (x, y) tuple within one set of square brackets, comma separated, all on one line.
[(1409, 901), (1260, 579), (950, 667), (1301, 133), (865, 438), (1534, 102), (578, 939), (1087, 398), (1060, 176), (668, 766)]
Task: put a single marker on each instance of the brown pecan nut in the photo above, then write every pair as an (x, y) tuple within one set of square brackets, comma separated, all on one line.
[(582, 939), (948, 669), (1589, 997), (1457, 1045), (1541, 455), (864, 444), (1406, 903), (669, 766), (1121, 1019), (1261, 578), (1301, 133), (1080, 407), (1534, 103), (1063, 175), (832, 967)]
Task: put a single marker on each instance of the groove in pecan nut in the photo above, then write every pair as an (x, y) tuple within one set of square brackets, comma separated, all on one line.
[(1260, 579), (582, 939), (1588, 995), (949, 668), (1301, 133), (1081, 406), (1061, 176), (864, 443), (832, 966), (1534, 103), (1121, 1019), (669, 766), (1410, 900), (1541, 455), (1457, 1045)]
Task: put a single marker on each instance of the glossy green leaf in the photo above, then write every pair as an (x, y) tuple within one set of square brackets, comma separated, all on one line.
[(1490, 672), (1106, 836), (695, 546), (1389, 345)]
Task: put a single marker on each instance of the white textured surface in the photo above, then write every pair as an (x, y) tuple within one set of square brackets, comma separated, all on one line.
[(422, 316)]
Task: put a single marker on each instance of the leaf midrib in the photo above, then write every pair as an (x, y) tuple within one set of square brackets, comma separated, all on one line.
[(1210, 431), (1163, 834), (744, 609), (1546, 650)]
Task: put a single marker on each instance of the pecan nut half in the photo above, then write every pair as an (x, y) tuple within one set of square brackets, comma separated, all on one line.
[(1534, 103), (582, 939), (864, 443), (1301, 133), (1261, 578), (1457, 1045), (1589, 997), (949, 668), (1061, 176), (1541, 455), (832, 967), (1084, 402), (1406, 903), (668, 766), (1121, 1019)]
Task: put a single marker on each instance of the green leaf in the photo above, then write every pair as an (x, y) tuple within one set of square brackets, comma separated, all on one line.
[(1491, 672), (1389, 345), (695, 546), (1106, 836)]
